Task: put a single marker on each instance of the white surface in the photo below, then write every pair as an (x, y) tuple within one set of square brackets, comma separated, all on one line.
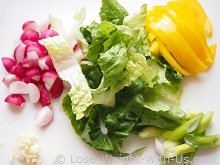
[(200, 93)]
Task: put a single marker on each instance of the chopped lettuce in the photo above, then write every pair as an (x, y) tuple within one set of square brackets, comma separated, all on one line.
[(126, 88), (113, 12)]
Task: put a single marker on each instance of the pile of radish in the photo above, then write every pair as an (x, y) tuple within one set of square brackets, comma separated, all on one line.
[(31, 73)]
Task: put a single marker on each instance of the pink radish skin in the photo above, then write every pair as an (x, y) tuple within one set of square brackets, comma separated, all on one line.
[(18, 70), (29, 63), (18, 87), (48, 33), (44, 97), (44, 116), (34, 93), (15, 100), (49, 77), (8, 63), (19, 53), (35, 51), (34, 73), (29, 35), (45, 63), (29, 25), (7, 80), (57, 88), (29, 80)]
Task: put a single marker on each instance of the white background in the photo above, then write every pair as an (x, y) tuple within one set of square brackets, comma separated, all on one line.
[(201, 93)]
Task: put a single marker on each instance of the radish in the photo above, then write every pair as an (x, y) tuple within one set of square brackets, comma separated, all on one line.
[(18, 87), (29, 25), (30, 80), (35, 51), (29, 35), (19, 53), (44, 116), (8, 63), (45, 63), (57, 88), (34, 73), (34, 93), (17, 70), (29, 63), (48, 33), (44, 97), (49, 77), (15, 99), (7, 80)]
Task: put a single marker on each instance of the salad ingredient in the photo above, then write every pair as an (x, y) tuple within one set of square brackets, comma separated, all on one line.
[(49, 78), (8, 79), (45, 63), (34, 73), (8, 63), (174, 29), (29, 25), (35, 51), (150, 131), (19, 53), (69, 70), (57, 88), (44, 97), (44, 116), (34, 93), (18, 87), (15, 99), (48, 33), (31, 35), (17, 70), (26, 150)]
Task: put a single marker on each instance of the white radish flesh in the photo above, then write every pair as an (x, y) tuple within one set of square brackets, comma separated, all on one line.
[(49, 78), (8, 63), (44, 116), (15, 99), (34, 93), (34, 73), (48, 33), (19, 53), (7, 80), (18, 87), (45, 63)]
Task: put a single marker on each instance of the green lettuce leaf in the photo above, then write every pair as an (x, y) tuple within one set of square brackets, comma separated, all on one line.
[(113, 12)]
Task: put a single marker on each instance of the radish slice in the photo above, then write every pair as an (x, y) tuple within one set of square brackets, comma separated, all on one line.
[(18, 87), (17, 70), (19, 53), (49, 78), (34, 93), (44, 116), (29, 35), (34, 73), (29, 25), (57, 88), (29, 63), (44, 97), (48, 33), (7, 80), (35, 51), (8, 63), (45, 63), (15, 99)]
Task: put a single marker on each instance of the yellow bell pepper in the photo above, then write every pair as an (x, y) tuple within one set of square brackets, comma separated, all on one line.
[(181, 28)]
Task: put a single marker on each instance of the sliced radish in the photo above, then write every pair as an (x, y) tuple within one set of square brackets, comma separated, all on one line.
[(18, 87), (44, 97), (57, 88), (8, 63), (34, 93), (19, 53), (29, 63), (49, 77), (44, 116), (45, 63), (48, 33), (15, 99), (34, 73), (29, 25), (7, 80), (29, 35), (35, 51), (17, 70)]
